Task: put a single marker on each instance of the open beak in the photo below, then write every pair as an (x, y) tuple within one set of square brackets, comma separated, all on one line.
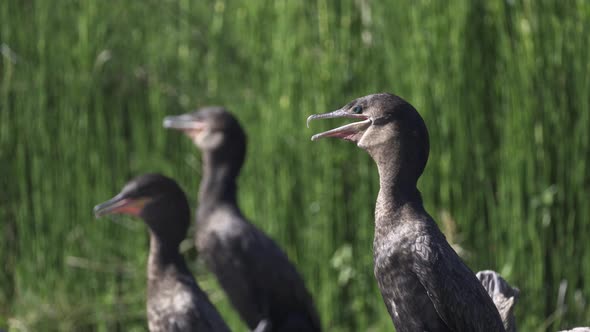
[(120, 204), (347, 132), (184, 122)]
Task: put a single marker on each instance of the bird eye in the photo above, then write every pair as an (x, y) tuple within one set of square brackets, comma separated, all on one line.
[(358, 109)]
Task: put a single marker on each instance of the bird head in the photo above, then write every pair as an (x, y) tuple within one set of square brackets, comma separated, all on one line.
[(156, 199), (210, 128), (387, 127)]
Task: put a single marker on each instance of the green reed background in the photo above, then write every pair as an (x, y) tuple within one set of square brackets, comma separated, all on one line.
[(504, 87)]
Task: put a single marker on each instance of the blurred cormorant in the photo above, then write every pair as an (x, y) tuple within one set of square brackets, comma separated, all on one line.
[(260, 281), (174, 300)]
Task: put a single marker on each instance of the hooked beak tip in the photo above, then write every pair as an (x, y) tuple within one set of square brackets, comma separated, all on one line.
[(97, 212), (309, 118)]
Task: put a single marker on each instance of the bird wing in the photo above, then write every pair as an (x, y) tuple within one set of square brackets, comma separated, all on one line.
[(223, 246), (255, 273), (277, 278), (458, 297), (207, 316)]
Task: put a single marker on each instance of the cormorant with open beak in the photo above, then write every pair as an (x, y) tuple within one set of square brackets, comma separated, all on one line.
[(424, 283)]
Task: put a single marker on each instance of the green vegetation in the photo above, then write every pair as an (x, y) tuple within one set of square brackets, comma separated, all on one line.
[(504, 87)]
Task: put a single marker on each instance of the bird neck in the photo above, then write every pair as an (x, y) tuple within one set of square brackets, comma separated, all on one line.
[(397, 188), (163, 255), (218, 183)]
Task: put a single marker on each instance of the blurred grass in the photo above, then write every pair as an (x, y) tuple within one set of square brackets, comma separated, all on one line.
[(504, 88)]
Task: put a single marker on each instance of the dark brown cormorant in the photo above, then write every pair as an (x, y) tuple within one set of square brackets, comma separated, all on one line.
[(261, 283), (503, 295), (174, 300), (424, 283)]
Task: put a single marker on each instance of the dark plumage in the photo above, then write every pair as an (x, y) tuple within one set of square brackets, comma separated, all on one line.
[(424, 283), (174, 300), (261, 283)]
